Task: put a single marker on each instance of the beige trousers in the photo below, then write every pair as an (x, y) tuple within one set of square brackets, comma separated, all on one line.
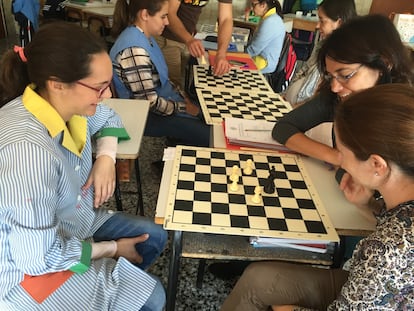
[(264, 284), (176, 56)]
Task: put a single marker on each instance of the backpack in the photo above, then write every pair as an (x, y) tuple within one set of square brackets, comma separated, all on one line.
[(285, 69)]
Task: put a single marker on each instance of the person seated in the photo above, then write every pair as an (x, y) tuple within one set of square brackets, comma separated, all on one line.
[(140, 72), (346, 71), (267, 41), (60, 250), (379, 156), (332, 14)]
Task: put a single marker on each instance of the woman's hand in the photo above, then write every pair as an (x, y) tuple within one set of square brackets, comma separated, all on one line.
[(355, 192), (126, 248), (102, 177), (191, 108)]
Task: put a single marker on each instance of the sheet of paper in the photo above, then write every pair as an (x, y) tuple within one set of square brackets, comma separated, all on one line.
[(250, 130)]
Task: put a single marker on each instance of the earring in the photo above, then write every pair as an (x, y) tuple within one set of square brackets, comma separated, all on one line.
[(376, 174)]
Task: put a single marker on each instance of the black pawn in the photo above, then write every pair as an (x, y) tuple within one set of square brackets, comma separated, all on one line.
[(209, 72), (234, 74), (269, 186)]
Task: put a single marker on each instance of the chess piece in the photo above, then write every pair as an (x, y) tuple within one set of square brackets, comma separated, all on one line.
[(203, 60), (257, 193), (210, 71), (234, 75), (248, 169), (269, 186), (235, 179), (234, 171)]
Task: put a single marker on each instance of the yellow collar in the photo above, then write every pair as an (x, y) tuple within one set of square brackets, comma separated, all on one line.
[(74, 132), (270, 12)]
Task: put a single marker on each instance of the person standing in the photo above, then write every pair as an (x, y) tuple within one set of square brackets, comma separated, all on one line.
[(177, 40)]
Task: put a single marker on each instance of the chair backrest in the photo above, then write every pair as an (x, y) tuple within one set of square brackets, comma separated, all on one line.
[(285, 69)]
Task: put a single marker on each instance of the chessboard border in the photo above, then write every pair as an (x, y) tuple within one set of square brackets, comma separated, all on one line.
[(200, 85), (330, 236)]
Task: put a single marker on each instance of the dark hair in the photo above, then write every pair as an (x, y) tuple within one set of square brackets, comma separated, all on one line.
[(58, 50), (358, 41), (379, 121), (339, 9), (273, 4), (125, 14)]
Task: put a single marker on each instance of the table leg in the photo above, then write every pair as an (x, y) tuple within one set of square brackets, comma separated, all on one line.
[(140, 202), (176, 248), (118, 199)]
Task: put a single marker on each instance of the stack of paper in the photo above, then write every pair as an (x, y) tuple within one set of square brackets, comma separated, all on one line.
[(307, 245), (251, 133)]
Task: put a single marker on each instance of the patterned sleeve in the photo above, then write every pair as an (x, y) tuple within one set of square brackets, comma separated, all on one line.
[(381, 275), (138, 72)]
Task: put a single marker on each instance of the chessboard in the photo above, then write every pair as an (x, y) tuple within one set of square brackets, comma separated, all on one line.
[(235, 79), (204, 196), (220, 104)]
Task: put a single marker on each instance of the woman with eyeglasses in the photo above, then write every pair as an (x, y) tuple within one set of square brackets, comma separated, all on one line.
[(267, 41), (353, 58), (59, 248), (332, 14), (374, 131)]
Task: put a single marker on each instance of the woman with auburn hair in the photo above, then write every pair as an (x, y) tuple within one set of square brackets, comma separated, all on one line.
[(379, 155), (353, 58)]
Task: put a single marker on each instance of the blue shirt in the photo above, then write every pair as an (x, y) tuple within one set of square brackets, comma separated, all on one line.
[(267, 42)]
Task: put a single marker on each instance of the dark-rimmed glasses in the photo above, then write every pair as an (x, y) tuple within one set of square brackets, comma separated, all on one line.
[(100, 91), (343, 79)]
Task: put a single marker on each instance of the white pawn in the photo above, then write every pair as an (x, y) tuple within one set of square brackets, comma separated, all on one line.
[(234, 171), (235, 179), (203, 60), (248, 169), (257, 193)]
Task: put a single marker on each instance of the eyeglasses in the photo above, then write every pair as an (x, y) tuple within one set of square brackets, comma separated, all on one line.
[(343, 79), (253, 4), (100, 91)]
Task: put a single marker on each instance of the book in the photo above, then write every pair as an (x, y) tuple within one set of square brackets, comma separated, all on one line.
[(251, 133), (306, 245)]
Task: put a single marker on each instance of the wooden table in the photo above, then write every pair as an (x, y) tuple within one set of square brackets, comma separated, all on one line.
[(104, 15), (345, 217), (303, 22), (133, 113), (76, 11)]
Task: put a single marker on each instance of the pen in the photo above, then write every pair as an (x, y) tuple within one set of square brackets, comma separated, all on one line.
[(256, 130)]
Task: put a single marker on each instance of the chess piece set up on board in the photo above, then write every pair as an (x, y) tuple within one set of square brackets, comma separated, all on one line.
[(269, 186)]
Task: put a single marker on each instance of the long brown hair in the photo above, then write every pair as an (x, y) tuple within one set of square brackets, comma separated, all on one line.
[(125, 14), (58, 50)]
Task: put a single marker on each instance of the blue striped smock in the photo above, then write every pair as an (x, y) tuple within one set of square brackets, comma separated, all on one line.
[(44, 215)]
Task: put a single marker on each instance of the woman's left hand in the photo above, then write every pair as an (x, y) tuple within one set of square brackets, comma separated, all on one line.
[(102, 177), (355, 192)]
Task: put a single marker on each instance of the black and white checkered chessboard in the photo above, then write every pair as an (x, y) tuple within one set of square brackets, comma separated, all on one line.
[(200, 198)]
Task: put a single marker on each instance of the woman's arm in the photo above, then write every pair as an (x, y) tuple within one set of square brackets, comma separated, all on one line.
[(290, 129), (141, 77)]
